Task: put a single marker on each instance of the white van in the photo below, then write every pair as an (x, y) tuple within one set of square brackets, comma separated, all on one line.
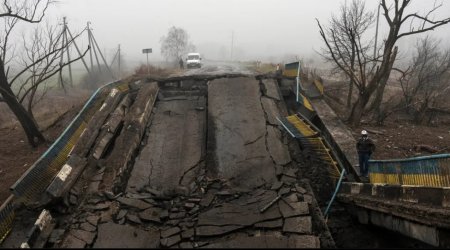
[(194, 60)]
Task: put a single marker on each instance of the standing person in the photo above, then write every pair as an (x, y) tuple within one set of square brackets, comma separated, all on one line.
[(365, 148), (181, 63), (279, 73)]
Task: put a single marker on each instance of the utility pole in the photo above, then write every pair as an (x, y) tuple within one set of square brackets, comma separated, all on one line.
[(61, 60), (94, 42), (67, 50), (79, 52), (232, 40), (65, 46), (119, 61), (90, 46), (376, 34)]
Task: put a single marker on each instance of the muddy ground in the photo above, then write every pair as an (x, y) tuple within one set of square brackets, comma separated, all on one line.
[(398, 137)]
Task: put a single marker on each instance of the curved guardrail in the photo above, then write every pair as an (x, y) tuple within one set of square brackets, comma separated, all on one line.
[(35, 180), (38, 177), (431, 171)]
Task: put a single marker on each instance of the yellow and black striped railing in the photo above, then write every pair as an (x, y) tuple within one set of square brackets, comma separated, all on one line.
[(318, 84), (310, 138), (7, 215), (430, 171), (291, 69)]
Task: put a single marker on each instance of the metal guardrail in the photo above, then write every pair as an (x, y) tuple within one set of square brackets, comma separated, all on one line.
[(38, 177), (34, 181), (319, 86), (7, 215), (309, 136), (431, 171)]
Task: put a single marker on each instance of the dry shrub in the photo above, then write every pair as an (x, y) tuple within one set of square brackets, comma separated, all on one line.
[(151, 70), (96, 78)]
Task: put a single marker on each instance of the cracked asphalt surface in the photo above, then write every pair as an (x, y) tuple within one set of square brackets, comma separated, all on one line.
[(211, 168), (241, 152), (175, 145)]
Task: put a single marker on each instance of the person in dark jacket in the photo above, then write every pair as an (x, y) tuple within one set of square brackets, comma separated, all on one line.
[(181, 63), (365, 148), (279, 74)]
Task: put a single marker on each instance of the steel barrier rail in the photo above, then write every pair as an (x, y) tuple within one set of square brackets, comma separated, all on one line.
[(310, 138), (326, 144), (301, 126), (319, 86), (34, 181), (39, 175), (7, 215), (430, 171)]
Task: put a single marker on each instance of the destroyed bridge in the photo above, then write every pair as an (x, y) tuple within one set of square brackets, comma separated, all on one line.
[(215, 157)]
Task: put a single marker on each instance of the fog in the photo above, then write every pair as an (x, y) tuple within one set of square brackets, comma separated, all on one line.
[(268, 30)]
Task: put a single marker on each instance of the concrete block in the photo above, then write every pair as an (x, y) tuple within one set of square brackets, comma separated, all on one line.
[(366, 189), (400, 225), (40, 231), (430, 195), (446, 197), (423, 233), (345, 188), (414, 230), (376, 187), (390, 192), (356, 188), (301, 225), (65, 178), (409, 194)]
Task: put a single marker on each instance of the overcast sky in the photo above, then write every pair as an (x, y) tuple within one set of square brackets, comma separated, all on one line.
[(262, 29)]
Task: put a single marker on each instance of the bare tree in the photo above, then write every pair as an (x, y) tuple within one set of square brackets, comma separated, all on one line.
[(39, 62), (345, 33), (369, 81), (425, 80), (31, 11), (175, 44)]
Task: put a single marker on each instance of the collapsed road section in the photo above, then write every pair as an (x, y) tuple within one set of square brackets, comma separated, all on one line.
[(185, 162), (175, 147)]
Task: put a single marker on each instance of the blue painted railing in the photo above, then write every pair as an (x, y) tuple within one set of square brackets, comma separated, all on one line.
[(431, 170)]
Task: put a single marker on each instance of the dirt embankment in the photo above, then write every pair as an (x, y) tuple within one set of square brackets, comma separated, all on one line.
[(398, 137)]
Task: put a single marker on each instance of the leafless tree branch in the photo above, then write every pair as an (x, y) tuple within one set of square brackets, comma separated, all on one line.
[(32, 11)]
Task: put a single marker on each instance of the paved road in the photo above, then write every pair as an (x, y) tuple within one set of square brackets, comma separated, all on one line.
[(218, 68), (239, 131), (175, 145)]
